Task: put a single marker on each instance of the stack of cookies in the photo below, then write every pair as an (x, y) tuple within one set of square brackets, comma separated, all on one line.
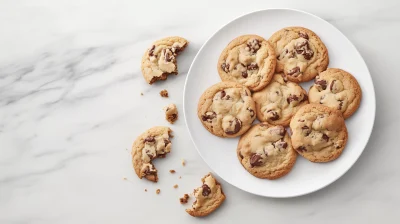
[(260, 79)]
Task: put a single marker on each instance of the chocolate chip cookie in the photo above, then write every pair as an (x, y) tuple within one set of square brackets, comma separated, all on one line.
[(153, 143), (279, 101), (266, 151), (300, 53), (208, 197), (319, 133), (226, 109), (159, 61), (249, 60), (338, 89)]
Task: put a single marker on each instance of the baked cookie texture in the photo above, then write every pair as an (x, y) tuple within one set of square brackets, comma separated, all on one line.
[(153, 143), (171, 113), (337, 89), (319, 133), (266, 151), (279, 101), (226, 109), (301, 55), (160, 59), (249, 60), (208, 197)]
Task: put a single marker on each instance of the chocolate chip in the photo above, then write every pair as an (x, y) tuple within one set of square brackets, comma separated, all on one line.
[(252, 66), (209, 116), (322, 98), (244, 74), (253, 45), (340, 105), (227, 97), (321, 83), (292, 98), (308, 131), (305, 128), (168, 57), (301, 120), (332, 84), (325, 137), (255, 160), (151, 51), (308, 54), (294, 71), (251, 112), (301, 149), (303, 35), (236, 124), (223, 93), (281, 144), (225, 67), (166, 142), (274, 114), (149, 139), (206, 190)]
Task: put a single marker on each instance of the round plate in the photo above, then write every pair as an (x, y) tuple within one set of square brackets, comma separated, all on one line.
[(220, 153)]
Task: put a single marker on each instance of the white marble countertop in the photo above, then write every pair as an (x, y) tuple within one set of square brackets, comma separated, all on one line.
[(70, 108)]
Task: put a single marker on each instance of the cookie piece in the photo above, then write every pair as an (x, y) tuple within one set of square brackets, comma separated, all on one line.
[(249, 60), (279, 101), (171, 113), (164, 93), (159, 61), (184, 199), (266, 151), (226, 109), (153, 143), (338, 89), (319, 133), (208, 197), (300, 53)]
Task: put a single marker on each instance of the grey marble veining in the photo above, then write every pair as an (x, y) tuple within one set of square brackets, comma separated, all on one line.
[(70, 108)]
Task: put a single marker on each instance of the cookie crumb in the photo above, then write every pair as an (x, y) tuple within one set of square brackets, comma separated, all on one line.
[(171, 113), (158, 191), (145, 190), (184, 199), (183, 162), (175, 186), (124, 178), (141, 94), (180, 177), (172, 171), (164, 93)]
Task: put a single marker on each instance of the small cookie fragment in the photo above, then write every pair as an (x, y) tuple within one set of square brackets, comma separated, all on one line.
[(337, 89), (183, 162), (141, 94), (226, 109), (319, 133), (249, 60), (208, 197), (184, 199), (301, 54), (145, 190), (175, 186), (159, 60), (158, 191), (171, 113), (265, 151), (172, 171), (153, 143), (164, 93)]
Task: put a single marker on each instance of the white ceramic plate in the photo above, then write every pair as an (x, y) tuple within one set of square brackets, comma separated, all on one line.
[(220, 153)]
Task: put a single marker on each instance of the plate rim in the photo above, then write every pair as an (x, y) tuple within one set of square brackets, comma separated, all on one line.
[(345, 38)]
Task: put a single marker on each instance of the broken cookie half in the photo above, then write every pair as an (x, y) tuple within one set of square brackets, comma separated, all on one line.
[(153, 143), (208, 197), (159, 61)]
